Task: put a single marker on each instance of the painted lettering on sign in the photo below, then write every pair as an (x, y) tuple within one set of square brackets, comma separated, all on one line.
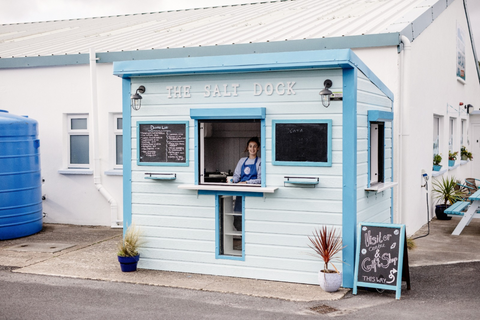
[(231, 90)]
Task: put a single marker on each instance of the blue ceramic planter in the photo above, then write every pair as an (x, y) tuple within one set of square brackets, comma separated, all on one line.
[(128, 264), (451, 163), (437, 167)]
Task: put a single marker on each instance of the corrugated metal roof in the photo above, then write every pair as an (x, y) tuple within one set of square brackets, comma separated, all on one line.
[(250, 23)]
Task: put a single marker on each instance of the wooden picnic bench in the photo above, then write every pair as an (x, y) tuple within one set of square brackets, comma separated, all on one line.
[(458, 209)]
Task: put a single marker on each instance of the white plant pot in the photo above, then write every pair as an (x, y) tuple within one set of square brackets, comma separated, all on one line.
[(330, 282)]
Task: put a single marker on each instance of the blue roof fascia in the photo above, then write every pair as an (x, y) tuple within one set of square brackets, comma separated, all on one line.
[(318, 59), (349, 42), (44, 61)]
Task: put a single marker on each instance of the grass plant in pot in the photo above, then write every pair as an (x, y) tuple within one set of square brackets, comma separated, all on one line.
[(128, 255), (445, 193), (326, 243), (437, 158)]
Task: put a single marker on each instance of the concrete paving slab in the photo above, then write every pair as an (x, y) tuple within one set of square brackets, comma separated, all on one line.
[(99, 262), (50, 247), (441, 247)]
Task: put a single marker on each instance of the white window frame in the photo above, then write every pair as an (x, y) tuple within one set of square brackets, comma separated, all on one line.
[(451, 139), (463, 137), (72, 132), (436, 135), (115, 133)]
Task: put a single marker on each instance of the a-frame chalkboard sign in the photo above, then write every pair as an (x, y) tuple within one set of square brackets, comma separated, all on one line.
[(381, 257)]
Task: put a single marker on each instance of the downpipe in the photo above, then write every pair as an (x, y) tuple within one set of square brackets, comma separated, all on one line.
[(97, 179)]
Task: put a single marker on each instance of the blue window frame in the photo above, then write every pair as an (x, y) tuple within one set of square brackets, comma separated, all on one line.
[(225, 115), (376, 145), (302, 143)]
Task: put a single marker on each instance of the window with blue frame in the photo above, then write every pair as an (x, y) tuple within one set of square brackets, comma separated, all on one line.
[(376, 135), (230, 239)]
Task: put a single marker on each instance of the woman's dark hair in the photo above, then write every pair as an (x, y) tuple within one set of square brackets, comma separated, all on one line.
[(254, 139)]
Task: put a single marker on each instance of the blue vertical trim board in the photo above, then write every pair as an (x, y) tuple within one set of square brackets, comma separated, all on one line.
[(263, 165), (197, 155), (127, 155), (369, 151), (391, 190), (349, 205)]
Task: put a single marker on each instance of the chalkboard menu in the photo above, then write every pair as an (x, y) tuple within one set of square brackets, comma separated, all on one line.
[(162, 143), (302, 142), (382, 257)]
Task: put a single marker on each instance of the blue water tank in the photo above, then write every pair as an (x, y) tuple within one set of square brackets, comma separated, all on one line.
[(20, 177)]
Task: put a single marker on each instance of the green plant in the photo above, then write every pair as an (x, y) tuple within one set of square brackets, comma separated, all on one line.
[(128, 246), (452, 155), (444, 190), (437, 158), (411, 245), (464, 152), (326, 243)]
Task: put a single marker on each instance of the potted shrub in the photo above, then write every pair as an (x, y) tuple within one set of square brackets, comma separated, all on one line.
[(465, 154), (326, 243), (452, 156), (445, 192), (437, 158), (128, 255)]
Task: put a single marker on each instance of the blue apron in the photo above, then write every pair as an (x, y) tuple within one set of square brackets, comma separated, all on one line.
[(248, 172)]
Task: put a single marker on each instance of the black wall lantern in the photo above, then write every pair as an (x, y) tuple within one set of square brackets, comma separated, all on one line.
[(136, 99), (325, 93)]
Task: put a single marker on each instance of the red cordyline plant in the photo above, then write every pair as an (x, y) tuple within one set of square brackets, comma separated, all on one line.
[(326, 244)]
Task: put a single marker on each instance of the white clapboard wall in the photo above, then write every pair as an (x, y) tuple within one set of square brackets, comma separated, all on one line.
[(179, 225)]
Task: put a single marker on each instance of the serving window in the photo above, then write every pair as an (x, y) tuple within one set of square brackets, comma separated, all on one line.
[(221, 138)]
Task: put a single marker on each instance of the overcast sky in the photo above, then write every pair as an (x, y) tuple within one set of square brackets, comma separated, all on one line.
[(13, 11)]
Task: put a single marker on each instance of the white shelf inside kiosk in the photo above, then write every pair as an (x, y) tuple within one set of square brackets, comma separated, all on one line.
[(232, 239)]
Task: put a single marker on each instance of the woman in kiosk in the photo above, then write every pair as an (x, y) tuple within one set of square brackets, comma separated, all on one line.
[(247, 172)]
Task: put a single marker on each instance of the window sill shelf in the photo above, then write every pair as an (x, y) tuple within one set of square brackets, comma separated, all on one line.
[(227, 188), (454, 167), (114, 173), (439, 173), (462, 162), (379, 187), (76, 171)]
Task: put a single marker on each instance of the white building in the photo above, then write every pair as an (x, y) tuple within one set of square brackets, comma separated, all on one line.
[(61, 74)]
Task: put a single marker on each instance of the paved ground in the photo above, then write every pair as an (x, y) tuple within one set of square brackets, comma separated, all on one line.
[(90, 253)]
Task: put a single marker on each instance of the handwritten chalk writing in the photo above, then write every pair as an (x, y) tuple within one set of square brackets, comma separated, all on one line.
[(162, 143), (372, 240), (392, 275), (293, 130), (368, 264), (374, 279), (228, 90)]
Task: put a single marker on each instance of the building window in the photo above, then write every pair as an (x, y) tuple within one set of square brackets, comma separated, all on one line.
[(377, 152), (378, 125), (221, 139), (118, 141), (78, 142), (451, 139), (230, 241), (436, 135), (222, 145)]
